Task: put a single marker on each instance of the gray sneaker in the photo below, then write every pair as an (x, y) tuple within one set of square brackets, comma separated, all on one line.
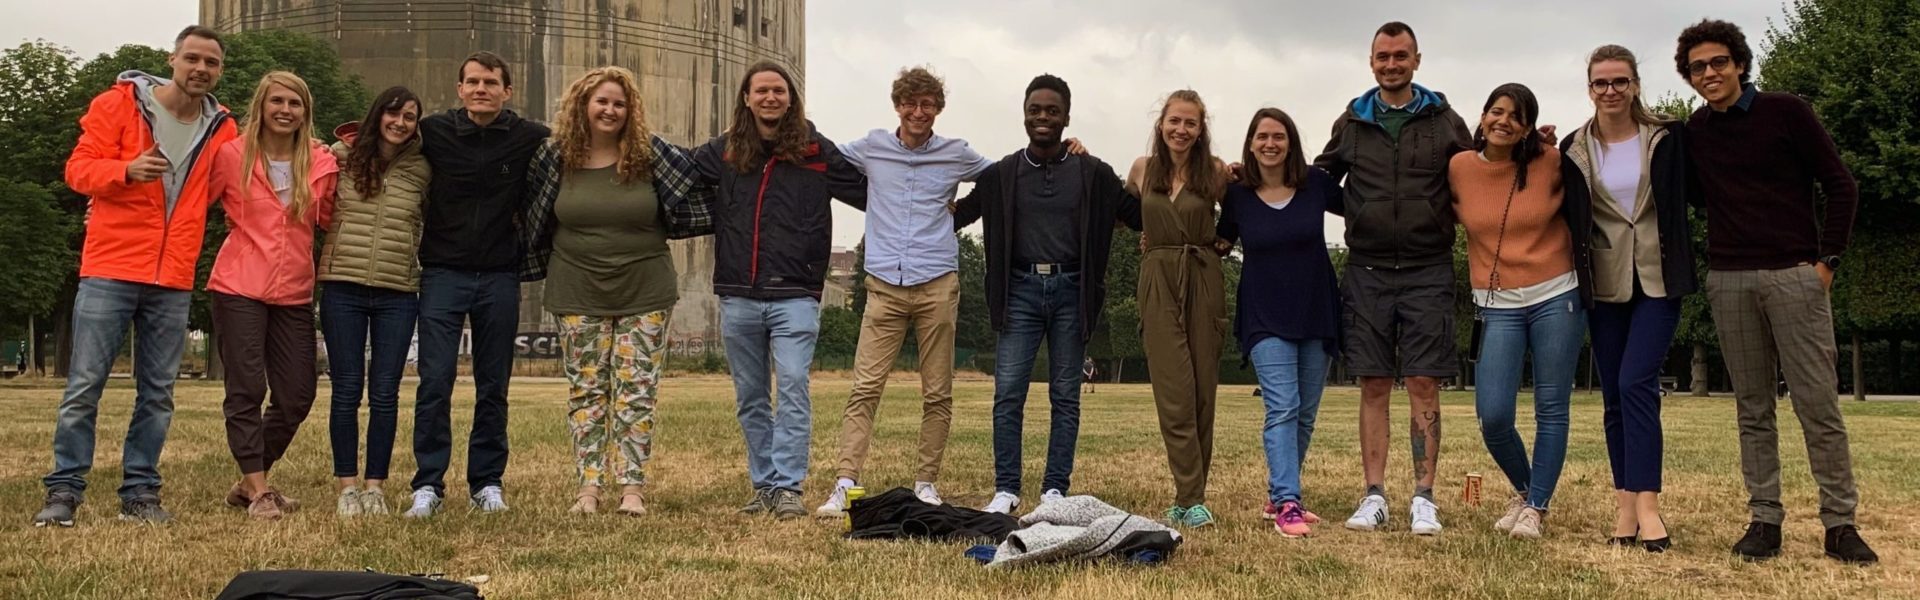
[(144, 507), (760, 504), (61, 500), (373, 501), (786, 505), (349, 503)]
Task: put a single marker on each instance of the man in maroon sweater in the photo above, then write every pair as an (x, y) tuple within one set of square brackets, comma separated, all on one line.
[(1770, 261)]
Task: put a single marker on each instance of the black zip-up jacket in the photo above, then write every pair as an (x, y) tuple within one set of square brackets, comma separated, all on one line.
[(1104, 200), (1398, 207), (477, 191), (773, 226)]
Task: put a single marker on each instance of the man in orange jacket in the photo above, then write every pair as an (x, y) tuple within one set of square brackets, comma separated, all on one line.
[(145, 148)]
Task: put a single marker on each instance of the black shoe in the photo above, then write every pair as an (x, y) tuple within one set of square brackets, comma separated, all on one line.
[(1844, 545), (144, 507), (61, 501), (1761, 542), (1657, 546)]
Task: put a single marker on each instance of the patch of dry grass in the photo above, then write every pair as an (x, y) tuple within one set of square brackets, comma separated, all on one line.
[(693, 546)]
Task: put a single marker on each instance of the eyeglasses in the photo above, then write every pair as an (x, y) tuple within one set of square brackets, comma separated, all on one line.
[(1719, 64), (1601, 86), (925, 107)]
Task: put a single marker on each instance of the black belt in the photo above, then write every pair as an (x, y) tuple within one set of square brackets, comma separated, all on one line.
[(1050, 268)]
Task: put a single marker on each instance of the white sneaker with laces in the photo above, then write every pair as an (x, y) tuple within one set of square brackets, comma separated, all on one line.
[(349, 503), (1003, 503), (925, 492), (1425, 516), (1051, 495), (490, 499), (1371, 515), (836, 505), (425, 503)]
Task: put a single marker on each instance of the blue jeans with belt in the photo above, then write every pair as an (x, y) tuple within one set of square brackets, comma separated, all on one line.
[(1039, 308), (1553, 331)]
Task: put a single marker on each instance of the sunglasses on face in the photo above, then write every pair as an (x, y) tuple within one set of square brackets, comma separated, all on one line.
[(1601, 86), (1718, 63)]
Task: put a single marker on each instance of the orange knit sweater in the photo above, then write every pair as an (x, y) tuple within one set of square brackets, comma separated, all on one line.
[(1537, 245)]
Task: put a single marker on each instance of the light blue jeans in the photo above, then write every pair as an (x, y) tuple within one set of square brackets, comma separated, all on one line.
[(102, 311), (1554, 331), (1292, 375), (765, 338)]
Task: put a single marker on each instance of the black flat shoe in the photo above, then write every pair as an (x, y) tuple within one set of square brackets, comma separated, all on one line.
[(1657, 546)]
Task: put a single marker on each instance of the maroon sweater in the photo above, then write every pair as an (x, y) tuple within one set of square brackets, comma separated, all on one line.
[(1757, 164)]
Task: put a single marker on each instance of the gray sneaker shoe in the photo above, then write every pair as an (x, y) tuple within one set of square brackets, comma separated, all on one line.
[(61, 500), (760, 504), (348, 505), (786, 505), (144, 507), (373, 501)]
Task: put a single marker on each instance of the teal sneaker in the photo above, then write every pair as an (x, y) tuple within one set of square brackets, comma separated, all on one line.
[(1198, 516), (1176, 515)]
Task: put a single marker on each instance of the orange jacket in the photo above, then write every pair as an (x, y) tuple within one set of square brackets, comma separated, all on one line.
[(268, 256), (131, 236)]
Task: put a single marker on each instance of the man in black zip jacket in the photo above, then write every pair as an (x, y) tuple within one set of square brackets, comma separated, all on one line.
[(1049, 217), (1391, 146), (773, 230), (469, 263)]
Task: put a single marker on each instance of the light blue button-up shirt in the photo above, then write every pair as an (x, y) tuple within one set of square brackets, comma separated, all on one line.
[(910, 237)]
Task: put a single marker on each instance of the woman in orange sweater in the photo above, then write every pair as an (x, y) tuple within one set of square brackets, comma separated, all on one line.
[(1528, 291)]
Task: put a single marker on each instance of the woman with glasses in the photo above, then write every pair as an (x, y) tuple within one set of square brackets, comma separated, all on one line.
[(1631, 177)]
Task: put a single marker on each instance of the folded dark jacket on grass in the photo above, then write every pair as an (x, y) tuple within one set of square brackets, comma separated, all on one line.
[(342, 585), (897, 514)]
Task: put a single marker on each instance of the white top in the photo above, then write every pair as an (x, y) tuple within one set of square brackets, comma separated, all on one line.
[(280, 174), (1280, 204), (1620, 173), (1526, 296)]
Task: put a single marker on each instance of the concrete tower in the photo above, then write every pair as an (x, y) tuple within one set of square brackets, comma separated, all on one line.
[(689, 55)]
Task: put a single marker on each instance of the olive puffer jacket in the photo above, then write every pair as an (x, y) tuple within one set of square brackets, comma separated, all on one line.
[(375, 241)]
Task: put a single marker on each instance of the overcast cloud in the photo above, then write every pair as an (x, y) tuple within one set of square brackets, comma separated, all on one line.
[(1122, 57)]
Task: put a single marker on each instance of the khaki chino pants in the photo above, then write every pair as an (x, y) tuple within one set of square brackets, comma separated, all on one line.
[(930, 310)]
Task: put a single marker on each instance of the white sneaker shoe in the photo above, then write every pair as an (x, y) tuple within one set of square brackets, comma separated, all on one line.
[(1372, 514), (925, 492), (836, 505), (490, 499), (1051, 495), (1515, 504), (1003, 503), (373, 501), (349, 503), (425, 503), (1425, 516)]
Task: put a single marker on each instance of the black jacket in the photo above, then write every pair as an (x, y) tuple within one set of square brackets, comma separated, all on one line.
[(478, 189), (1577, 208), (342, 585), (1103, 200), (1671, 195), (899, 515), (773, 226), (1398, 206)]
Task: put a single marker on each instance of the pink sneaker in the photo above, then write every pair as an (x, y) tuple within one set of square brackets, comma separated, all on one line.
[(1292, 521), (1269, 513)]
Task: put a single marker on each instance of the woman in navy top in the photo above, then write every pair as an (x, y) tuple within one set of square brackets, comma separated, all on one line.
[(1288, 305)]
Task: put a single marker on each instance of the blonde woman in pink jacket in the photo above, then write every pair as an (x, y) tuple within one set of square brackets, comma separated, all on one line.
[(276, 184)]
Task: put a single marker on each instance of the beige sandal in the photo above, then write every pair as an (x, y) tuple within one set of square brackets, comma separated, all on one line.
[(632, 509), (586, 504)]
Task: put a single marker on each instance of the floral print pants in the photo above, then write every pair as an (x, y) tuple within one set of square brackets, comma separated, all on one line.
[(613, 368)]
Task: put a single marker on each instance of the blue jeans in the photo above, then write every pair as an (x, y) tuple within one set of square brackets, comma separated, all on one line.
[(1630, 343), (1292, 375), (448, 298), (772, 338), (1039, 307), (1554, 331), (102, 311), (350, 314)]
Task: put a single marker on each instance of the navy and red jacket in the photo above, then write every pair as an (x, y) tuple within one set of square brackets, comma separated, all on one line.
[(773, 225)]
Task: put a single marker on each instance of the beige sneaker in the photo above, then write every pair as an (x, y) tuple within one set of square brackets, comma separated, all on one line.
[(1529, 525), (1515, 504), (266, 507), (373, 501), (349, 503)]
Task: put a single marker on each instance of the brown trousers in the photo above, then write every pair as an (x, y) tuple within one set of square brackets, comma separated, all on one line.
[(1183, 322), (930, 309), (265, 348)]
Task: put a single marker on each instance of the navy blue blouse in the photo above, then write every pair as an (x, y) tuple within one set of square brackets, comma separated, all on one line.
[(1287, 286)]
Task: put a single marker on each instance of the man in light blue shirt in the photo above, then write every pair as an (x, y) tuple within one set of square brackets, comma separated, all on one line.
[(912, 264)]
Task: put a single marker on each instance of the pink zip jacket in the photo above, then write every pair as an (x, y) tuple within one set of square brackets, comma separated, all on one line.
[(267, 256)]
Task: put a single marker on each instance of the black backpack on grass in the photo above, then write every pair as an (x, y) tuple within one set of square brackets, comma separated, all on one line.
[(342, 585)]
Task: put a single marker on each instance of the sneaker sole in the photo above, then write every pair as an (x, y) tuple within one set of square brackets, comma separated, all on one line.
[(69, 523), (138, 520), (788, 516), (1283, 533), (1426, 532), (1364, 526), (823, 513)]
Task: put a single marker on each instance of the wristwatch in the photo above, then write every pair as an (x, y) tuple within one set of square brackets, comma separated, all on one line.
[(1832, 262)]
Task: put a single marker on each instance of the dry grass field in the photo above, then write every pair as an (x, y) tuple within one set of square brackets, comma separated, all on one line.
[(694, 546)]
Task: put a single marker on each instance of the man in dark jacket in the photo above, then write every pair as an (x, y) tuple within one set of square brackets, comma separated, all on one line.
[(1392, 146), (773, 228), (469, 270), (1049, 226)]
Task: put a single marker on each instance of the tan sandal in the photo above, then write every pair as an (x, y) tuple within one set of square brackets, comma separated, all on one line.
[(586, 503), (632, 509)]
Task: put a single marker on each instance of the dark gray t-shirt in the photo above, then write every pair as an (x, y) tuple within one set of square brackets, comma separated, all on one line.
[(1046, 205)]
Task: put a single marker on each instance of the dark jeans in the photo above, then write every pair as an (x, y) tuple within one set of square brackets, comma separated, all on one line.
[(103, 310), (1039, 307), (1630, 341), (350, 315), (448, 299), (266, 348)]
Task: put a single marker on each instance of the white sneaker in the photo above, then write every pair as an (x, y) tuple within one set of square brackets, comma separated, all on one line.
[(836, 505), (1515, 504), (925, 492), (425, 503), (1051, 495), (1371, 515), (349, 503), (373, 502), (1529, 524), (490, 499), (1003, 503), (1425, 516)]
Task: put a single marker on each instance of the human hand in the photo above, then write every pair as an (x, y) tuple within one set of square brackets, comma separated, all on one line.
[(1075, 147), (1826, 275), (148, 166), (1547, 135)]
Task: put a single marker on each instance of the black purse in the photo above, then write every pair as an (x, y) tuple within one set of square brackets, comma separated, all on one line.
[(1493, 279)]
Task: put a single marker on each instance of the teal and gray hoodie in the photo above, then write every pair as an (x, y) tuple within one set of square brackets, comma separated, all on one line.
[(1398, 208)]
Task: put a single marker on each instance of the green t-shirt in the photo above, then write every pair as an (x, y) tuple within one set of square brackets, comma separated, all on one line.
[(1392, 119), (610, 255)]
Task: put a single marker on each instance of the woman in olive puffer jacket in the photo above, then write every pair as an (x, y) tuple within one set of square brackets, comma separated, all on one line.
[(370, 283)]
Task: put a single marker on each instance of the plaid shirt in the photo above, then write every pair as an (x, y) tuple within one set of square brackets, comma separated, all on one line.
[(685, 206)]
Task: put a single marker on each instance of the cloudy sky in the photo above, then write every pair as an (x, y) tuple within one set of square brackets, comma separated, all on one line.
[(1122, 57)]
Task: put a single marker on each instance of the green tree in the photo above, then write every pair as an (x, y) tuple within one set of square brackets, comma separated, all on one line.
[(1117, 337), (39, 111), (973, 330), (38, 261)]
